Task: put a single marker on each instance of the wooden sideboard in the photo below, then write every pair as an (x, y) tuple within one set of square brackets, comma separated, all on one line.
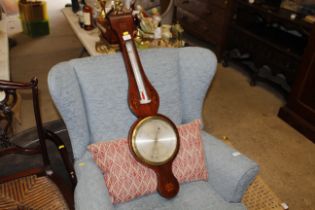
[(205, 19), (274, 45), (300, 108), (268, 41)]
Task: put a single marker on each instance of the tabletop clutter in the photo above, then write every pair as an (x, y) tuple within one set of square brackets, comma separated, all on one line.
[(150, 32)]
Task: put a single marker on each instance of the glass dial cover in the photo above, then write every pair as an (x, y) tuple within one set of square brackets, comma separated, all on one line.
[(154, 140)]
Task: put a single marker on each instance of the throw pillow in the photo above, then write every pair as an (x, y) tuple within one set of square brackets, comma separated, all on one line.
[(127, 179)]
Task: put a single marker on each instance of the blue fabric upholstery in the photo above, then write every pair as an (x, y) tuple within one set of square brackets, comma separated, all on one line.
[(65, 91), (227, 174), (111, 93), (103, 86), (197, 68), (91, 96), (229, 171)]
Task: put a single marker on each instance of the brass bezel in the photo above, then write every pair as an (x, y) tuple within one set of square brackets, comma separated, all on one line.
[(133, 139)]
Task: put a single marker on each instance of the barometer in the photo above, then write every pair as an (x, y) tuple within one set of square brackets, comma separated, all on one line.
[(153, 138)]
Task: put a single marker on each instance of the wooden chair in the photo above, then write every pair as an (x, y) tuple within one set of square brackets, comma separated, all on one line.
[(34, 187)]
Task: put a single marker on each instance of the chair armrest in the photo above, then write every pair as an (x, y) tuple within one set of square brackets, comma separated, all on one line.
[(66, 93), (230, 172), (91, 192)]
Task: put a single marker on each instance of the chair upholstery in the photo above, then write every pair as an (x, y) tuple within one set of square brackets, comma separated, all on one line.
[(91, 96)]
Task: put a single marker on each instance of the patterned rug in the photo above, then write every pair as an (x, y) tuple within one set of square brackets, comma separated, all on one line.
[(259, 196)]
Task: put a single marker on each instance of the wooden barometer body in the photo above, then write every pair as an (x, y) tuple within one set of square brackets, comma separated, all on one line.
[(153, 138)]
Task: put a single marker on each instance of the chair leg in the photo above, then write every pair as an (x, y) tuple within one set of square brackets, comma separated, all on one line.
[(64, 155)]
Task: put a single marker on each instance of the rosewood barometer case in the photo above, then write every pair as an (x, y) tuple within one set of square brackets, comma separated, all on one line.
[(153, 138)]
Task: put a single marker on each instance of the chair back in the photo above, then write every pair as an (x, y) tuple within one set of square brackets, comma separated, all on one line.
[(91, 93), (9, 99), (25, 164)]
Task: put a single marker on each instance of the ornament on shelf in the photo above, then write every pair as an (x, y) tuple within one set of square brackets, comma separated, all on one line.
[(118, 7), (149, 31)]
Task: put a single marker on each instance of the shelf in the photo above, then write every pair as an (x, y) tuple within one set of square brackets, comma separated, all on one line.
[(282, 15), (272, 26), (268, 42)]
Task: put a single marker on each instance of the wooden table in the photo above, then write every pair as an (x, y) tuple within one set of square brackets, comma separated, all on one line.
[(87, 38), (4, 50)]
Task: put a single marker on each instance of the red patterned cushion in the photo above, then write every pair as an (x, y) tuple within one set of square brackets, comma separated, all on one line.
[(127, 179)]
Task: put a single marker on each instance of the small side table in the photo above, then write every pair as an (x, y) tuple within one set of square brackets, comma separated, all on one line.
[(87, 38), (93, 45)]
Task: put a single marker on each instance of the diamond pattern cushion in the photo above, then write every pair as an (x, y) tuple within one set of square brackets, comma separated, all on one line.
[(127, 179)]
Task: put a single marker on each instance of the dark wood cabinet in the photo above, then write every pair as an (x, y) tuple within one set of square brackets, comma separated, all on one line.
[(205, 19), (300, 108), (268, 41)]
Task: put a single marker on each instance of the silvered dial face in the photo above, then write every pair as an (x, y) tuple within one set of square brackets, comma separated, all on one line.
[(154, 140)]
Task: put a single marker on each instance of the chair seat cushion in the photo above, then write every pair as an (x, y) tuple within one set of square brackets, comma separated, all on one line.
[(195, 195), (92, 194), (31, 192)]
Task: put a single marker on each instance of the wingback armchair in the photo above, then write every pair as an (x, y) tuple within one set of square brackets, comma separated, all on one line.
[(91, 96)]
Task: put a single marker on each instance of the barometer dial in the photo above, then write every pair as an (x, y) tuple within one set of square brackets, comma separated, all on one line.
[(154, 140)]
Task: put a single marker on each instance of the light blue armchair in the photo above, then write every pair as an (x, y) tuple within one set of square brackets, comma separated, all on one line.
[(91, 96)]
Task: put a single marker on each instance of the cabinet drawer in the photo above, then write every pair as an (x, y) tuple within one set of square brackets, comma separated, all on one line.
[(220, 3), (264, 54), (197, 6), (208, 13), (215, 17), (204, 29)]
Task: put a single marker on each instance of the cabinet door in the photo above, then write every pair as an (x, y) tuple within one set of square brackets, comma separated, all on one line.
[(307, 97), (300, 109), (206, 20), (303, 93)]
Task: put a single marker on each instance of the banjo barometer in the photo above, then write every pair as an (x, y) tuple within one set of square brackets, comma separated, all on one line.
[(153, 138)]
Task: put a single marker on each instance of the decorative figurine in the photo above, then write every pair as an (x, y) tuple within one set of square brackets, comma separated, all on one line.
[(149, 32), (128, 4), (148, 25), (156, 16), (178, 31), (102, 4), (166, 31), (118, 6)]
